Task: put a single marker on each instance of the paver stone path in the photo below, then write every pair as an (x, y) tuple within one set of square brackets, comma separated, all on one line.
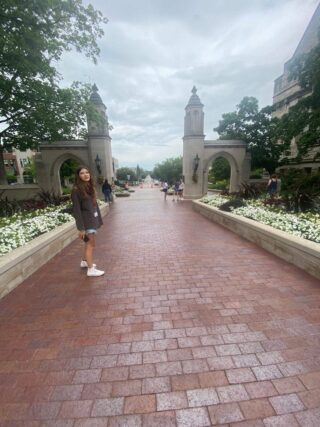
[(191, 326)]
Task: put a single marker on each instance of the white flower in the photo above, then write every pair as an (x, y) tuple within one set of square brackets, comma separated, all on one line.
[(306, 225), (19, 229)]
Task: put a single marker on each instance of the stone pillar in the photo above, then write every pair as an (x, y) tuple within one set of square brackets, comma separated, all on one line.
[(246, 168), (99, 141), (193, 148)]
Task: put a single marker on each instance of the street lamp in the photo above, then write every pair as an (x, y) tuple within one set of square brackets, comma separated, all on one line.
[(98, 163), (196, 161)]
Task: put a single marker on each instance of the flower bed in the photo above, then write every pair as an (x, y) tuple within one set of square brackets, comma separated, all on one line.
[(19, 263), (306, 225), (19, 229)]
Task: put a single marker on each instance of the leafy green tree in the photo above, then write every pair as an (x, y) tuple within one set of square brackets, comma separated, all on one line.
[(30, 169), (139, 172), (220, 169), (68, 169), (34, 34), (123, 173), (169, 170), (303, 119), (142, 173), (258, 129)]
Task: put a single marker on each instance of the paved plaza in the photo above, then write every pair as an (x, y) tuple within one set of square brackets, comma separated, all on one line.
[(191, 326)]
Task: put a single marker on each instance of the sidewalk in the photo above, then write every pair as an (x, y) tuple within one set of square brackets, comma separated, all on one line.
[(191, 326)]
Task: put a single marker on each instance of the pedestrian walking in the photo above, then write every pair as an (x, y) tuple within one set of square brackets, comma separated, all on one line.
[(107, 191), (176, 191), (272, 186), (87, 215), (165, 189), (180, 191)]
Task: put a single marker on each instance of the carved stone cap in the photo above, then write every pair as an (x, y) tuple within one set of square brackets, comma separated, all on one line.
[(95, 97), (194, 100)]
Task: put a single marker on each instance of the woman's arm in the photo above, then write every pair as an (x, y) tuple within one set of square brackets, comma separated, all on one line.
[(75, 197)]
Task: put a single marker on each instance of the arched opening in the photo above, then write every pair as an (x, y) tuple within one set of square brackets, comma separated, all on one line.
[(62, 173), (219, 174), (231, 170), (66, 174)]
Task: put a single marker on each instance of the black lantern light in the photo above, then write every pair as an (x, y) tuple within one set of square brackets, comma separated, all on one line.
[(98, 163), (196, 161)]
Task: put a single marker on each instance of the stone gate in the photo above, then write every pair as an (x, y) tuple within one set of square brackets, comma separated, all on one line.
[(198, 153), (94, 152)]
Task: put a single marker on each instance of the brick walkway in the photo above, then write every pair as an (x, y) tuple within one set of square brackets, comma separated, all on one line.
[(191, 326)]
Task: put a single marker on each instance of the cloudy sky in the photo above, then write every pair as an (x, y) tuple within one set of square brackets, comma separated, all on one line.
[(154, 51)]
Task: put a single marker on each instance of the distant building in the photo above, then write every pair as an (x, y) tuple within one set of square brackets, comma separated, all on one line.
[(287, 93), (15, 162)]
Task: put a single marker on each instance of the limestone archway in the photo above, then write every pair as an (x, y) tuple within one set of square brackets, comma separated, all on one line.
[(95, 152), (52, 156), (56, 167), (199, 153), (234, 169)]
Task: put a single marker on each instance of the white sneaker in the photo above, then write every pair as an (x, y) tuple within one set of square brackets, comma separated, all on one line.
[(93, 272), (84, 264)]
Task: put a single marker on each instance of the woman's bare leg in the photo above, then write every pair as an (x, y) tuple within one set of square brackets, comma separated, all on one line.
[(88, 250)]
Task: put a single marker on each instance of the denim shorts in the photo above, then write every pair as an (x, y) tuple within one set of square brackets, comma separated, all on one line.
[(91, 231)]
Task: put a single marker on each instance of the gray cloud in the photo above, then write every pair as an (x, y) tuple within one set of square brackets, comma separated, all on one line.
[(153, 52)]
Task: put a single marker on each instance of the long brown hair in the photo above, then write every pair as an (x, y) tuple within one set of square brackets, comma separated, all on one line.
[(86, 189)]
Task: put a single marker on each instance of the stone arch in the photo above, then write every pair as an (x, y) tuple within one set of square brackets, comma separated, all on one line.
[(95, 151), (55, 170), (234, 169), (199, 152)]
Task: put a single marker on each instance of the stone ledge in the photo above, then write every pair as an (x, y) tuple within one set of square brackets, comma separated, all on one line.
[(20, 263), (296, 250)]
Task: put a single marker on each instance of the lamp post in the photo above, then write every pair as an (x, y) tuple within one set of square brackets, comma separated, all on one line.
[(196, 162), (98, 163)]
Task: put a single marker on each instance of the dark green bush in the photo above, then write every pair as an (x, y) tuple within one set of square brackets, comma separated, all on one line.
[(300, 191), (232, 204)]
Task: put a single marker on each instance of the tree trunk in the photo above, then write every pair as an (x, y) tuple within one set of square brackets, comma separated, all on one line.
[(3, 176)]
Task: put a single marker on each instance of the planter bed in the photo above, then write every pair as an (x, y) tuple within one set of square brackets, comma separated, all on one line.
[(296, 250), (20, 263)]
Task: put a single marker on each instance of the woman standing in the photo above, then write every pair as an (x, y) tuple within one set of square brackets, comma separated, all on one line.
[(87, 215)]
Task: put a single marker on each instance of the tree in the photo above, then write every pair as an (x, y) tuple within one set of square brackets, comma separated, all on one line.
[(123, 173), (258, 129), (68, 169), (141, 173), (169, 170), (220, 169), (302, 122), (34, 34)]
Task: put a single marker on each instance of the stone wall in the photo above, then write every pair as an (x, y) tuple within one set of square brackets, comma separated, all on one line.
[(19, 264), (19, 191), (296, 250)]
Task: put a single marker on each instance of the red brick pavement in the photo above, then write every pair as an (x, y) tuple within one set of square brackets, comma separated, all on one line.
[(191, 326)]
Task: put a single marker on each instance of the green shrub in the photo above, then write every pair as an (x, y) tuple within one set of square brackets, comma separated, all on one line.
[(11, 178), (301, 191), (66, 190), (122, 194), (256, 174), (232, 204), (220, 185)]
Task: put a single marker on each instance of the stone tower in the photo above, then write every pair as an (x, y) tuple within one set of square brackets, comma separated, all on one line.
[(193, 146), (99, 141)]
